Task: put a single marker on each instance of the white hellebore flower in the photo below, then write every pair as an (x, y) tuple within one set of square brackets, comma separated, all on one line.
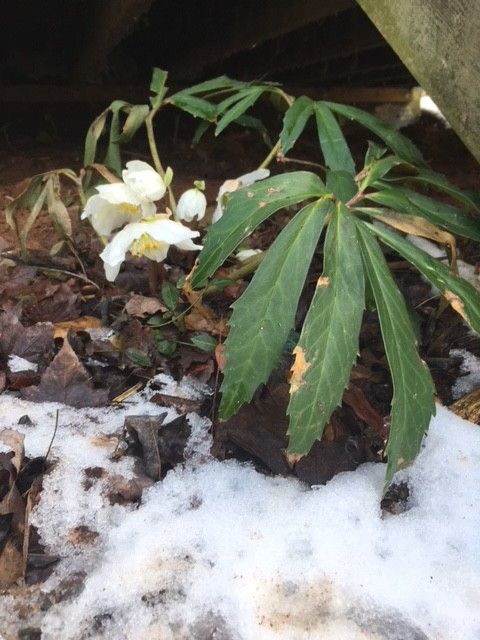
[(151, 238), (127, 201), (192, 203), (229, 186)]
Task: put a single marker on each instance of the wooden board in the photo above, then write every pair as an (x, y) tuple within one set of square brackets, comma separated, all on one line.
[(438, 41)]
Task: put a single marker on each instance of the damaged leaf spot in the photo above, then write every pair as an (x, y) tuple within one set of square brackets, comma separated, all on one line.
[(323, 281), (456, 303), (293, 458), (298, 370), (262, 205), (272, 190)]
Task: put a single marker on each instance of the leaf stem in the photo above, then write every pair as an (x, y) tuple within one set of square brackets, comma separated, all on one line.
[(237, 274), (155, 156)]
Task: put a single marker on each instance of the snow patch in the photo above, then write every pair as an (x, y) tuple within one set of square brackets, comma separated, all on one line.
[(217, 550)]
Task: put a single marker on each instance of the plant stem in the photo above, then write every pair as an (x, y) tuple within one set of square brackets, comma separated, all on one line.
[(273, 153), (155, 156), (237, 274)]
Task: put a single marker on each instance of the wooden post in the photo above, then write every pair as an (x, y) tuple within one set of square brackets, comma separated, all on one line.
[(438, 41)]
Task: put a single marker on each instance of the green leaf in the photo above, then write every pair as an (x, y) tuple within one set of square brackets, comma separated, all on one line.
[(328, 344), (94, 132), (138, 357), (204, 342), (200, 131), (440, 183), (332, 141), (135, 119), (464, 298), (374, 152), (165, 347), (112, 158), (246, 209), (216, 84), (378, 169), (197, 107), (250, 122), (294, 122), (56, 208), (341, 184), (251, 96), (413, 389), (158, 320), (264, 315), (157, 87), (397, 142), (413, 203), (170, 295)]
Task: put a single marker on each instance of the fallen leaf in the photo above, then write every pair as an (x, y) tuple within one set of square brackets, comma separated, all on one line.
[(66, 380), (33, 343), (141, 306), (355, 398), (82, 535), (197, 321), (12, 508), (78, 324)]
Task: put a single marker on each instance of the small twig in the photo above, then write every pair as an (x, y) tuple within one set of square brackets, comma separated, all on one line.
[(52, 269), (53, 437), (307, 163)]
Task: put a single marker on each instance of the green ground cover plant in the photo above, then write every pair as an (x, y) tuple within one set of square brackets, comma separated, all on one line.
[(350, 213)]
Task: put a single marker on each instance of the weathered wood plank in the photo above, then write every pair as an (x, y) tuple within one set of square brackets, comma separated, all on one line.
[(260, 21), (113, 21), (438, 42)]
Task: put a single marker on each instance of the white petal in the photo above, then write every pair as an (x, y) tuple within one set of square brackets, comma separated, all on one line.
[(169, 231), (217, 214), (246, 254), (112, 270), (114, 252), (192, 204), (105, 216), (144, 180), (253, 176), (188, 245), (117, 193)]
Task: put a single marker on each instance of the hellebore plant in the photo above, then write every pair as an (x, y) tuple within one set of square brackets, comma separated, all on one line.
[(341, 213), (338, 211)]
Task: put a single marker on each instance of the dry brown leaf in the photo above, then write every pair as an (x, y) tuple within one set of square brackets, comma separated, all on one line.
[(78, 324), (141, 306), (66, 380), (12, 508), (416, 226), (197, 321)]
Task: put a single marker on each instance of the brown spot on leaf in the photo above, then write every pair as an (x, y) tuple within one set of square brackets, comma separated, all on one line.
[(262, 205), (323, 281), (456, 303), (293, 458), (298, 370)]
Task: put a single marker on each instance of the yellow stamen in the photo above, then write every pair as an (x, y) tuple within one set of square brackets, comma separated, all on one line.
[(129, 209), (145, 244)]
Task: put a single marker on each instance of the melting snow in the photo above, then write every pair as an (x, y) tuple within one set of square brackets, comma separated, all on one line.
[(217, 550)]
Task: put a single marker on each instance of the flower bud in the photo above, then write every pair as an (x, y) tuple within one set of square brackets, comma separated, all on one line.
[(192, 204)]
